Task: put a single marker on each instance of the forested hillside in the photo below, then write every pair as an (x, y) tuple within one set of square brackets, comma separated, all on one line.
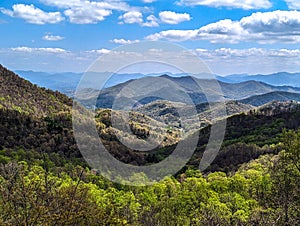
[(262, 192), (45, 181), (20, 95)]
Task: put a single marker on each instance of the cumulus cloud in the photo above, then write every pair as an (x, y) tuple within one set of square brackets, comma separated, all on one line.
[(247, 5), (81, 4), (88, 15), (45, 50), (123, 41), (99, 51), (268, 27), (256, 52), (132, 17), (221, 61), (49, 37), (277, 21), (169, 17), (151, 21), (252, 61), (173, 35), (33, 15), (90, 12), (293, 4), (135, 17)]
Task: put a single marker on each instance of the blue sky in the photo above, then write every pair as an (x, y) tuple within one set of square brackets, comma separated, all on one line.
[(230, 36)]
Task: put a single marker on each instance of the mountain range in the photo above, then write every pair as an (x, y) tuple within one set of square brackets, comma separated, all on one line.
[(275, 79), (67, 82), (48, 126), (187, 90), (46, 181)]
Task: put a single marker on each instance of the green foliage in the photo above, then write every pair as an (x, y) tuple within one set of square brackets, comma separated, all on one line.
[(285, 174), (41, 193), (47, 189), (43, 180)]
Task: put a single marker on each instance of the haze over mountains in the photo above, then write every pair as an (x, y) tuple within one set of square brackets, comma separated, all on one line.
[(255, 89), (275, 79), (39, 119), (163, 97), (40, 157), (67, 82), (188, 90)]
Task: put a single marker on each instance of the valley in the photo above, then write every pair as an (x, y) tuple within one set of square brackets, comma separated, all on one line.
[(37, 143)]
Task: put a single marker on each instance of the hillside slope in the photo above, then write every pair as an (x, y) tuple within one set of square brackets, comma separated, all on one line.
[(34, 118), (20, 95), (260, 100), (248, 135)]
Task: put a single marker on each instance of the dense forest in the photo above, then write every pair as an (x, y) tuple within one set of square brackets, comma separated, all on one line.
[(44, 180), (44, 190)]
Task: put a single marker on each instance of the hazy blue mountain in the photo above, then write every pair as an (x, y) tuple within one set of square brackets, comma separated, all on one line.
[(252, 89), (67, 82), (225, 79), (176, 89), (260, 100), (276, 79), (63, 82)]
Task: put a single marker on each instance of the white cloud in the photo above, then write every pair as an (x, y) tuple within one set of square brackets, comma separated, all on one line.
[(135, 17), (247, 5), (222, 31), (169, 17), (123, 41), (90, 12), (151, 21), (81, 12), (277, 21), (87, 15), (132, 17), (33, 15), (256, 52), (99, 51), (45, 50), (49, 37), (286, 53), (221, 61), (293, 4), (252, 61), (63, 4), (173, 35), (81, 4), (268, 27)]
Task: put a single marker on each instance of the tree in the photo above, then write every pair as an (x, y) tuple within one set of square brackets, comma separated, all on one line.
[(285, 175)]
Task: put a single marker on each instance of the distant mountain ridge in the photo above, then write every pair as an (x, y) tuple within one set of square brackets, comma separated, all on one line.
[(275, 79), (67, 82), (19, 128), (63, 82), (260, 100), (183, 89)]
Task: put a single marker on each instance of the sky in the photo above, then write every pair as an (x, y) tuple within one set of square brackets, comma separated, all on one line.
[(229, 36)]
